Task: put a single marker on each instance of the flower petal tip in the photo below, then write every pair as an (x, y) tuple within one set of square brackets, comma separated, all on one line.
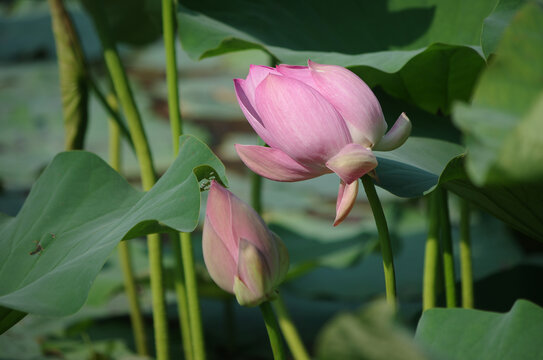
[(352, 162), (346, 198), (396, 136)]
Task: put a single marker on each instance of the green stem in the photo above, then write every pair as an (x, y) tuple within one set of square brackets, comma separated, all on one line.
[(465, 256), (431, 254), (256, 192), (114, 137), (384, 239), (136, 316), (447, 248), (160, 320), (289, 330), (143, 153), (195, 319), (122, 88), (123, 249), (181, 293), (273, 331), (185, 257), (168, 22), (256, 186)]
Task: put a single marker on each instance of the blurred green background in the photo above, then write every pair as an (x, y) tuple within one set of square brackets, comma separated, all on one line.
[(333, 271)]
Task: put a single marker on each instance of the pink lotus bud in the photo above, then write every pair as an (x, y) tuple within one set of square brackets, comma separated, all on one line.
[(317, 119), (242, 255)]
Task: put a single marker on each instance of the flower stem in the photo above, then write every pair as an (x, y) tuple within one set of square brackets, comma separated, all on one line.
[(289, 330), (256, 192), (273, 331), (384, 239), (136, 317), (447, 249), (160, 322), (181, 293), (143, 154), (195, 319), (185, 257), (256, 187), (465, 256), (168, 22), (431, 254), (124, 93), (123, 249)]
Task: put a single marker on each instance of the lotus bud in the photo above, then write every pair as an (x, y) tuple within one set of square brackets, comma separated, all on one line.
[(243, 256)]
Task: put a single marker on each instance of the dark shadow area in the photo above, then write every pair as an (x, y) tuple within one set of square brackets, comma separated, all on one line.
[(499, 292), (346, 26), (424, 124)]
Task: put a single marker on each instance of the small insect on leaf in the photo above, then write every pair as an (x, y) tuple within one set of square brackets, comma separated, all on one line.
[(40, 245), (37, 250)]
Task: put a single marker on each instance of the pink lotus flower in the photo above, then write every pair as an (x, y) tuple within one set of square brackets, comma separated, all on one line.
[(242, 255), (316, 119)]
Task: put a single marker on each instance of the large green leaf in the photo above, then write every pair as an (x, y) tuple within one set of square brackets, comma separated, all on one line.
[(495, 24), (472, 334), (413, 169), (503, 125), (76, 213), (425, 45), (74, 87), (347, 27), (519, 205), (432, 79)]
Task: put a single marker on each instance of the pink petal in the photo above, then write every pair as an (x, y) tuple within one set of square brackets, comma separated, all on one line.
[(250, 112), (253, 269), (219, 262), (346, 198), (353, 99), (249, 225), (396, 136), (246, 224), (257, 73), (352, 162), (274, 164), (302, 123), (301, 73), (219, 215)]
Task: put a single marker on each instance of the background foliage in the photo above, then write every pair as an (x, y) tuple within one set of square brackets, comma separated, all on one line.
[(468, 75)]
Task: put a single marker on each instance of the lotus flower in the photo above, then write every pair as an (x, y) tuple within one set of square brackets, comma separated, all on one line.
[(242, 255), (316, 119)]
